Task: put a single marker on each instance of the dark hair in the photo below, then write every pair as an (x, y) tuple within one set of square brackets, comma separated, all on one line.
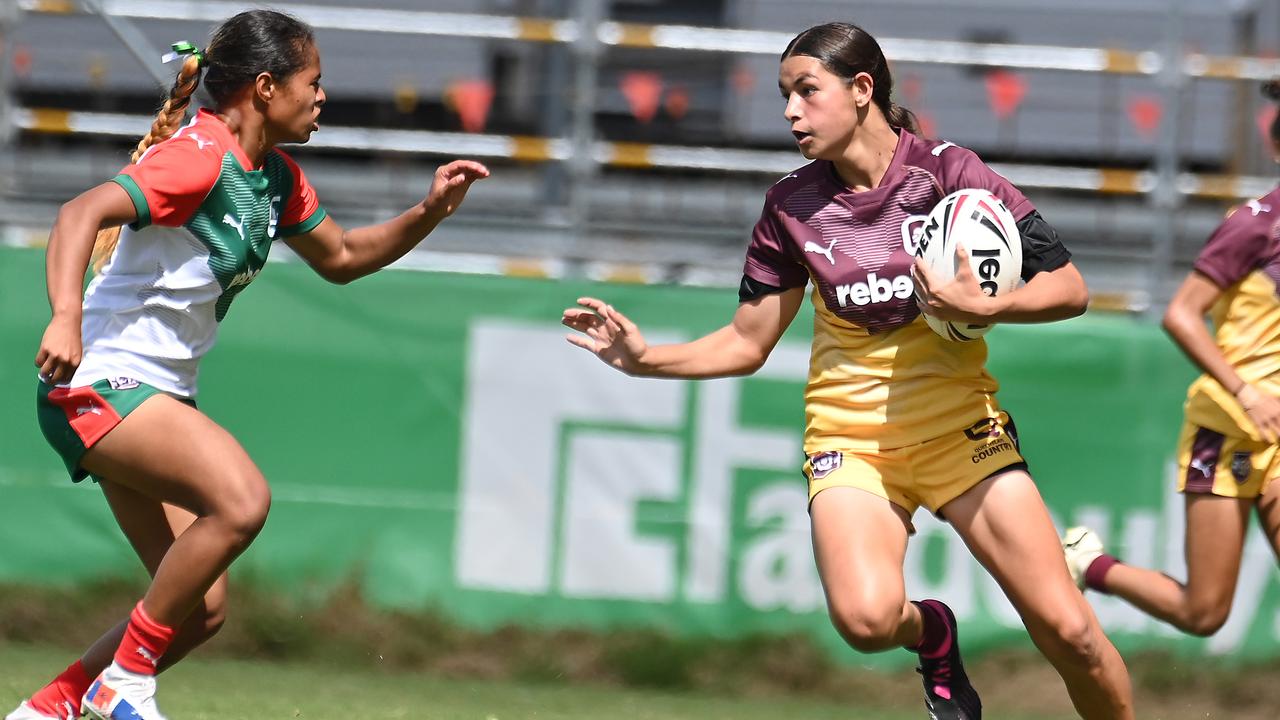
[(253, 42), (845, 50), (1271, 91)]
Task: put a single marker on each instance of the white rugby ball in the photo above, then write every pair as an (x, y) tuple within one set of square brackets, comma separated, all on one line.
[(981, 223)]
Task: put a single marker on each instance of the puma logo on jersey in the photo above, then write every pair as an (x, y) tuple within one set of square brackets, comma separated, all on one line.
[(813, 247), (875, 290), (200, 142), (1206, 469), (938, 150), (233, 222), (1257, 208), (87, 409)]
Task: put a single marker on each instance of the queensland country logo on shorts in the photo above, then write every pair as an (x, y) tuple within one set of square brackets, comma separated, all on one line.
[(123, 383), (824, 463), (994, 438), (984, 429), (1240, 466)]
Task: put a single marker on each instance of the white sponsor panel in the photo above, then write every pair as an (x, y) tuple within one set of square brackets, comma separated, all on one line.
[(609, 475), (561, 451), (523, 384)]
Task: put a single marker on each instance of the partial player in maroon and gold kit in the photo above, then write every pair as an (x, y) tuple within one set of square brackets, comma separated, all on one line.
[(1227, 450), (896, 416)]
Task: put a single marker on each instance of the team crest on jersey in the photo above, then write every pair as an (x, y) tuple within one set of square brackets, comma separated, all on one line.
[(123, 383), (912, 229), (1240, 466), (824, 463), (273, 220)]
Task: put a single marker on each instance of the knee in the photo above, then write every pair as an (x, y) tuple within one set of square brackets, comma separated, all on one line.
[(867, 626), (244, 509), (1074, 635), (1204, 622)]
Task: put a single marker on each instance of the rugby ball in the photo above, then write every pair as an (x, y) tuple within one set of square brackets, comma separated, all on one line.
[(981, 223)]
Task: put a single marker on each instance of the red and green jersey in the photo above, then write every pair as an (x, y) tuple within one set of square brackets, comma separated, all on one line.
[(206, 221)]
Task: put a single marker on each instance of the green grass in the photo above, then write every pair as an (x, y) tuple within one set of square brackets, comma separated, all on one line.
[(200, 689)]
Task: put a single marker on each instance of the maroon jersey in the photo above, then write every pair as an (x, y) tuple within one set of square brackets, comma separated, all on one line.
[(857, 246), (879, 377), (1242, 257)]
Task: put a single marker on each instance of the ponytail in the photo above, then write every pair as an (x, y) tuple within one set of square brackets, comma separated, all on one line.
[(900, 117), (167, 122)]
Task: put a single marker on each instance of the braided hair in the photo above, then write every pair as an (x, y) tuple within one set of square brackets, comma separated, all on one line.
[(167, 122)]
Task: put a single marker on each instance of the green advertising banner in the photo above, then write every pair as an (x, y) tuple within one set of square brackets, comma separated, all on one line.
[(433, 438)]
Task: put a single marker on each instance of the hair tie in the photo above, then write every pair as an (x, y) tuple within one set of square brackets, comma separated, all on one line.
[(182, 49)]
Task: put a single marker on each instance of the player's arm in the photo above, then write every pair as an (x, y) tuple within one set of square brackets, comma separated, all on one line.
[(739, 348), (66, 259), (1050, 295), (1184, 320), (1053, 289), (341, 255)]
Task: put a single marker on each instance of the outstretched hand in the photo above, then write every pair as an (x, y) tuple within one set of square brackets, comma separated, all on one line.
[(450, 185), (607, 333), (960, 300)]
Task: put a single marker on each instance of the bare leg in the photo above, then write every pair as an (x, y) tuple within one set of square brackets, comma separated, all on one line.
[(1269, 515), (151, 528), (199, 467), (1214, 544), (859, 542), (1004, 522)]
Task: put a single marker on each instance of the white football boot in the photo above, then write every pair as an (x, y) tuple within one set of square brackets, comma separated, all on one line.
[(24, 711), (118, 694), (1081, 546)]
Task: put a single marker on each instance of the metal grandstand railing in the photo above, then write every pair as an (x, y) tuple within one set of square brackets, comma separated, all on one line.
[(1170, 69), (640, 155)]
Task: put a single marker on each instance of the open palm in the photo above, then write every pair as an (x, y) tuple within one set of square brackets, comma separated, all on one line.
[(606, 332)]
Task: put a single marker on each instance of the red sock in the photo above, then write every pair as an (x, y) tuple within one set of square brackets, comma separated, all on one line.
[(67, 688), (145, 640)]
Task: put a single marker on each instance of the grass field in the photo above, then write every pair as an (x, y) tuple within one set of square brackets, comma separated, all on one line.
[(245, 690)]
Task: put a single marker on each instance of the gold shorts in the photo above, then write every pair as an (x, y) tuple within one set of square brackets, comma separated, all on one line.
[(931, 473), (1216, 464)]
